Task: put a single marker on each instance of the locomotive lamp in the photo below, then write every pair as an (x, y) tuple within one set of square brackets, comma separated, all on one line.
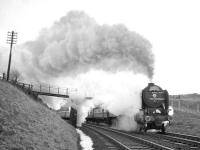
[(170, 111)]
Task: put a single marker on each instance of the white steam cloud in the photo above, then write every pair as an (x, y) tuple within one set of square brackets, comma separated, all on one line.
[(109, 63), (118, 92)]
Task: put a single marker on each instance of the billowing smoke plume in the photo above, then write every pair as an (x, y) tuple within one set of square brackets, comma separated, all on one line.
[(77, 43), (109, 63)]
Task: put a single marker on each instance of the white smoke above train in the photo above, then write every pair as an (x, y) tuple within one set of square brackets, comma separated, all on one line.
[(76, 43)]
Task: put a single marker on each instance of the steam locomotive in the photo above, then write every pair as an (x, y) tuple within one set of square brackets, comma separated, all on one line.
[(155, 112), (100, 115)]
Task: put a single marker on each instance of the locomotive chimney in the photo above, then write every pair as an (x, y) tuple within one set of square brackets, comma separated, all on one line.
[(150, 84)]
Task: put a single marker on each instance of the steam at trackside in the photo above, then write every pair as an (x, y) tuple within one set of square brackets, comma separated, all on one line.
[(110, 63), (117, 92)]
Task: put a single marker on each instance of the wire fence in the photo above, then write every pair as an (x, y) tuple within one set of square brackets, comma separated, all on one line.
[(186, 105)]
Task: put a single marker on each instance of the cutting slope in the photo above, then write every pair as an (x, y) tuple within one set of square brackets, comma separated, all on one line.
[(26, 124)]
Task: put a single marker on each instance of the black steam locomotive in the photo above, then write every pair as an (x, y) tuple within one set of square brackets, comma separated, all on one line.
[(154, 113)]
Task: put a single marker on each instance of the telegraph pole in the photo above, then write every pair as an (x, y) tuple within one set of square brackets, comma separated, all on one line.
[(11, 39)]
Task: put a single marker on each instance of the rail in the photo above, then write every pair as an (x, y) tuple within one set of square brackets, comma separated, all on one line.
[(191, 137)]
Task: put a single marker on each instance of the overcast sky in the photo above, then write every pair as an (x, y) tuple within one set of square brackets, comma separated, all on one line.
[(172, 27)]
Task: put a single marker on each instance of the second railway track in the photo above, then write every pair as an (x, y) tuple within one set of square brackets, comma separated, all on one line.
[(135, 140), (125, 141), (189, 137)]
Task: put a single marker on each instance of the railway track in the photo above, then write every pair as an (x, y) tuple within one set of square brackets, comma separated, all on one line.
[(172, 140), (154, 141), (125, 141), (192, 142), (190, 137)]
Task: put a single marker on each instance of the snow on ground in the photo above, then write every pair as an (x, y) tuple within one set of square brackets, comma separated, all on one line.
[(86, 141), (27, 125)]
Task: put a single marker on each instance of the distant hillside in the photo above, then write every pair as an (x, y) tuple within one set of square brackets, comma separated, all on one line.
[(27, 125), (190, 97)]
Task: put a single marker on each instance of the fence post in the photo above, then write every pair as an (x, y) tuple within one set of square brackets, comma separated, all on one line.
[(49, 88), (188, 110), (197, 107), (66, 91), (179, 105), (4, 76), (40, 88), (58, 90)]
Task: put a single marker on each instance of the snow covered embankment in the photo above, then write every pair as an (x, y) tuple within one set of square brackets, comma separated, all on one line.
[(86, 142), (26, 124)]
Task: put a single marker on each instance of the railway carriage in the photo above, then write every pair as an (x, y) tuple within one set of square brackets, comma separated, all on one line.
[(64, 113), (69, 114)]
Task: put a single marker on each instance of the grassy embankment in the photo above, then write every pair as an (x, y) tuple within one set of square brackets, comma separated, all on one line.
[(186, 118), (27, 125)]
